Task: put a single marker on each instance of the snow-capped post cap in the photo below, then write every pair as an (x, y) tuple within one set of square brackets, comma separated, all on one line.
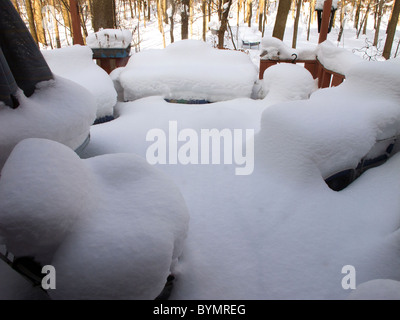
[(109, 38), (319, 5)]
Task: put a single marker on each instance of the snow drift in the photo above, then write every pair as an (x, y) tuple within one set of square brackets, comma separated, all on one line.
[(112, 226), (59, 110), (75, 63)]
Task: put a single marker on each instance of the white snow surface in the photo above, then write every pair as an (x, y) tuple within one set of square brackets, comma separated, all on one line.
[(378, 289), (335, 58), (281, 233), (109, 38), (59, 110), (75, 63), (112, 226), (288, 82), (188, 69), (250, 34)]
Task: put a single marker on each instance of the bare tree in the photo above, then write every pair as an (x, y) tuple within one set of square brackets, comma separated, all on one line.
[(171, 19), (31, 20), (296, 24), (185, 19), (204, 11), (391, 29), (260, 14), (37, 13), (379, 14), (281, 18), (103, 14), (224, 22), (249, 10), (160, 20), (357, 15)]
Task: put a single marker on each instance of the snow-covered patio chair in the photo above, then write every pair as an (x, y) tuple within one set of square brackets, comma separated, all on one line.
[(112, 226), (34, 102)]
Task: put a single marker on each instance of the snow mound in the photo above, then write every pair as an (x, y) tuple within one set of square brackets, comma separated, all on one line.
[(337, 127), (59, 110), (252, 34), (109, 38), (378, 289), (112, 226), (36, 212), (191, 70), (75, 63), (336, 59), (286, 81)]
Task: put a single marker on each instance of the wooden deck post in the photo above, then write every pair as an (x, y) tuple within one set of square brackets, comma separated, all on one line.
[(326, 13), (76, 23)]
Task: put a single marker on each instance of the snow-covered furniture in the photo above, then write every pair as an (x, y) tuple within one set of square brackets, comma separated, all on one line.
[(250, 37), (34, 103), (326, 62), (60, 110), (189, 70), (112, 226), (111, 47), (75, 63)]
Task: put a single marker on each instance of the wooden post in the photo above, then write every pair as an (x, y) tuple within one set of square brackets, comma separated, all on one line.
[(326, 13), (76, 23)]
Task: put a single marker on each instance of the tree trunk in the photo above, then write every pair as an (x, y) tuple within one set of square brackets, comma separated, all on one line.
[(37, 13), (239, 7), (281, 18), (378, 23), (191, 10), (204, 11), (171, 20), (31, 20), (311, 12), (160, 16), (185, 19), (296, 24), (357, 16), (103, 15), (366, 17), (66, 15), (249, 13), (131, 8), (312, 4), (164, 11), (56, 30), (265, 15), (342, 8), (260, 15), (391, 29), (224, 23)]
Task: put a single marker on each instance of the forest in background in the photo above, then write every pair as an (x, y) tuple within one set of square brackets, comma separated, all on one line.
[(50, 24)]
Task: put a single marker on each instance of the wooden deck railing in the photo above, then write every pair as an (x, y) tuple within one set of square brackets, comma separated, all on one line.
[(326, 78)]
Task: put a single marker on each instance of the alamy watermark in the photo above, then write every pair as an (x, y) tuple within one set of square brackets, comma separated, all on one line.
[(49, 280), (213, 146), (349, 280)]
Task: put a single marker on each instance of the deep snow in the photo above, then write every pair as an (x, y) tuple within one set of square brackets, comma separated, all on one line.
[(279, 233)]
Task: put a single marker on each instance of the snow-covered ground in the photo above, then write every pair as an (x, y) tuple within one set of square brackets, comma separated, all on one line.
[(277, 232)]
